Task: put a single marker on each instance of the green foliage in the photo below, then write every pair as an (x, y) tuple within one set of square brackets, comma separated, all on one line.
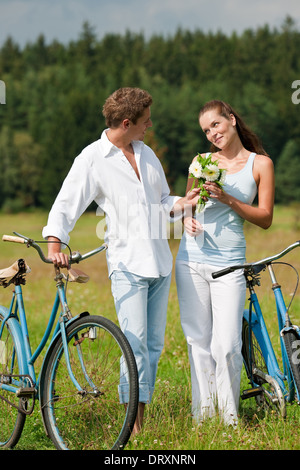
[(55, 93), (288, 172)]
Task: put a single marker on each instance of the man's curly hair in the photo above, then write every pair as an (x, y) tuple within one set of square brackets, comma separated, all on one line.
[(125, 103)]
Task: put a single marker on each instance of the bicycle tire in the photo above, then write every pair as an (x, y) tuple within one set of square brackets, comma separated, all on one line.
[(11, 419), (257, 372), (292, 345), (257, 360), (91, 421)]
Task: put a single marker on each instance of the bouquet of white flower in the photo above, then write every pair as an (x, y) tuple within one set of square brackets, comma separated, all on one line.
[(204, 169)]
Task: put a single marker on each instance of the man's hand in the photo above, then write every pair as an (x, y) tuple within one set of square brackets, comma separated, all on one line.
[(192, 196), (192, 226), (61, 260), (187, 202)]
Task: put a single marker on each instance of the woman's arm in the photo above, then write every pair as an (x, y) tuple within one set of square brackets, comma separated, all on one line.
[(262, 215)]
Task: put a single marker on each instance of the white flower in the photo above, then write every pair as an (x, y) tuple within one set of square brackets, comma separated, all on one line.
[(204, 169), (211, 172), (195, 169)]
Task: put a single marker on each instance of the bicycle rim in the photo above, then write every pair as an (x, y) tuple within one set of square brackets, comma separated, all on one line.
[(11, 419), (94, 419), (257, 371)]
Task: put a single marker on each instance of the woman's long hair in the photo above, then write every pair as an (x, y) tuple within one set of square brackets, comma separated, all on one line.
[(248, 138)]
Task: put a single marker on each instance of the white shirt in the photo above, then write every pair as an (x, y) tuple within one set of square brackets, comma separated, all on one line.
[(136, 210)]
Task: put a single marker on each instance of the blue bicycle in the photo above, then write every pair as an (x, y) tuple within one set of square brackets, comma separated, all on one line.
[(77, 386), (271, 386)]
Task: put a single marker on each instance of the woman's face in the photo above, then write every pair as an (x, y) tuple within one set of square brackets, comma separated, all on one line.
[(219, 130)]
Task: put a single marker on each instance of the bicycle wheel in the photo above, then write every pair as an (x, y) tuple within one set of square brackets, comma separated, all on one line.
[(94, 419), (252, 354), (292, 345), (271, 395), (11, 419)]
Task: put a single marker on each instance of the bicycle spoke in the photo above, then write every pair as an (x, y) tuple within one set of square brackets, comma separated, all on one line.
[(90, 418)]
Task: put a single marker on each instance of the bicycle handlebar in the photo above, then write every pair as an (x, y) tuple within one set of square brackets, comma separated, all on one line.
[(264, 261), (75, 257)]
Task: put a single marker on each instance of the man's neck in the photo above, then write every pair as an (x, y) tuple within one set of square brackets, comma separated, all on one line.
[(119, 139)]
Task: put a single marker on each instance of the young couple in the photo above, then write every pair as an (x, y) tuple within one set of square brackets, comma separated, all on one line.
[(120, 165)]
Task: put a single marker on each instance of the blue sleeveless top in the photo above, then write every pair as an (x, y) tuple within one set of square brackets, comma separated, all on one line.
[(222, 242)]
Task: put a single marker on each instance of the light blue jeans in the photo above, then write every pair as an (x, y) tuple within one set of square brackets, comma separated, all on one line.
[(141, 305)]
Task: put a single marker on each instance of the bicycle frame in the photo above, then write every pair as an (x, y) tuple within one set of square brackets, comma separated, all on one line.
[(88, 347), (15, 317), (20, 329), (256, 322)]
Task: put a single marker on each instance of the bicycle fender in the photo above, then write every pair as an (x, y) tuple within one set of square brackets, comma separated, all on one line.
[(16, 332), (288, 328)]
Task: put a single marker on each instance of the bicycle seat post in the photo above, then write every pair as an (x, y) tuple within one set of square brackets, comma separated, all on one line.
[(273, 277)]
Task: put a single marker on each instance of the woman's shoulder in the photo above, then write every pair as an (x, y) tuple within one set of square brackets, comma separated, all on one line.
[(263, 162)]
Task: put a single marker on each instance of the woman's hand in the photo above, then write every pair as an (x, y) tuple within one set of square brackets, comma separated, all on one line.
[(216, 192)]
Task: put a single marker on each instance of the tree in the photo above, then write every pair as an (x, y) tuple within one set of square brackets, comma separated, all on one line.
[(55, 92), (287, 173), (20, 171)]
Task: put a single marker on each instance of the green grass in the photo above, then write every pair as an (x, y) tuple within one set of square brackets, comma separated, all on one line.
[(168, 424)]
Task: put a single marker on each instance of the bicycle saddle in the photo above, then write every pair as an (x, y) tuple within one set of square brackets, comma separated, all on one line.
[(18, 268)]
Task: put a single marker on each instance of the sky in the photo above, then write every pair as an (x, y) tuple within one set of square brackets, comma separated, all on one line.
[(25, 20)]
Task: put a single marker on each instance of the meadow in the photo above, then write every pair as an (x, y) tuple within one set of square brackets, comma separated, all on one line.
[(168, 423)]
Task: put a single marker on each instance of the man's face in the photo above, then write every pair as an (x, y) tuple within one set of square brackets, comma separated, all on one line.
[(139, 129)]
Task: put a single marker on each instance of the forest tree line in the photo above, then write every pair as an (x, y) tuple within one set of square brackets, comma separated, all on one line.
[(55, 93)]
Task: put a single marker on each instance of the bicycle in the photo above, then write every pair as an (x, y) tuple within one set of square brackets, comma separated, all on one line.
[(77, 386), (270, 386)]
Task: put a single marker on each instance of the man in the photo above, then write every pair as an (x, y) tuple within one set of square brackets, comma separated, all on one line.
[(127, 181)]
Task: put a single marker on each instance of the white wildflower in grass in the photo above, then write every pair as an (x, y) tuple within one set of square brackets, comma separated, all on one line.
[(205, 169)]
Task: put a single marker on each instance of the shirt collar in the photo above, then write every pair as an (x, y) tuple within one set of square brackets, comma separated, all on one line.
[(108, 148)]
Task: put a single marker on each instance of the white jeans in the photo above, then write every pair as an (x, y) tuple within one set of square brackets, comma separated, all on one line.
[(211, 312)]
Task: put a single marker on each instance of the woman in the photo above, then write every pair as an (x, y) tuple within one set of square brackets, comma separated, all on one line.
[(211, 310)]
